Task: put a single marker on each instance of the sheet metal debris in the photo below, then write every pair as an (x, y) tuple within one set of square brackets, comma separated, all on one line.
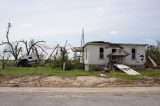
[(126, 69)]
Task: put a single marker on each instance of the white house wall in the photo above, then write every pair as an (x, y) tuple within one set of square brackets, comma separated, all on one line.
[(140, 50), (93, 55)]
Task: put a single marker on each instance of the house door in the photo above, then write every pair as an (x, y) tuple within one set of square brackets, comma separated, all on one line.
[(116, 59)]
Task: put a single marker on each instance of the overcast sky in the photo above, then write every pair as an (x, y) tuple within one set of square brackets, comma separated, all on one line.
[(128, 21)]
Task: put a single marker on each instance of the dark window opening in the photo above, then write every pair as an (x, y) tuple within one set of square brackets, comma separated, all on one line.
[(101, 50), (86, 53), (113, 50), (133, 54), (29, 57)]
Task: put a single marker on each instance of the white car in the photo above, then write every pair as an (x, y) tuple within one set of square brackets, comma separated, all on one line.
[(27, 60)]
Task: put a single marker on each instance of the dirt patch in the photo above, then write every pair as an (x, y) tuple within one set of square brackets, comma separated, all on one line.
[(74, 81)]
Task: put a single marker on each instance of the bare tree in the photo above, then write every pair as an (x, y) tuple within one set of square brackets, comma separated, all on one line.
[(4, 57), (32, 46), (12, 47), (61, 58), (55, 48)]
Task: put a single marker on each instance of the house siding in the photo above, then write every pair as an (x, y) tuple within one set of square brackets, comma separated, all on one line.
[(93, 61), (140, 50), (93, 55)]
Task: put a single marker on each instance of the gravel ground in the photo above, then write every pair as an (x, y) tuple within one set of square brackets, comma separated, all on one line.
[(74, 81)]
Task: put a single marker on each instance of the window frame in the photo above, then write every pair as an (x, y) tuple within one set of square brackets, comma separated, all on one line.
[(133, 54), (86, 53), (101, 54), (114, 49)]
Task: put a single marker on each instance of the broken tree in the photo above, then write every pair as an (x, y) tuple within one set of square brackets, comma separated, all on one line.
[(12, 47)]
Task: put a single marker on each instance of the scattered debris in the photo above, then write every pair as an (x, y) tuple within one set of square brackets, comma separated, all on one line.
[(105, 70), (155, 66), (102, 75), (126, 69)]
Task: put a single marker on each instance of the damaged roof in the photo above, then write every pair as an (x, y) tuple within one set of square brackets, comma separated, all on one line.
[(119, 45), (77, 49), (113, 44)]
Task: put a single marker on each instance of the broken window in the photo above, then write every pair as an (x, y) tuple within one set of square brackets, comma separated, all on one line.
[(113, 50), (133, 54), (142, 57), (101, 53)]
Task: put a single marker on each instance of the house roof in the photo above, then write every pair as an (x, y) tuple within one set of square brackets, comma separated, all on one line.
[(131, 44), (113, 44), (119, 45), (77, 49)]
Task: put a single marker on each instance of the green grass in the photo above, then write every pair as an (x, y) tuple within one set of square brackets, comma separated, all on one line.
[(19, 71), (122, 75), (144, 73), (150, 73), (22, 71)]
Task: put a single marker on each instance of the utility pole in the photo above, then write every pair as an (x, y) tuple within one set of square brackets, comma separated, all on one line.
[(82, 44), (82, 39)]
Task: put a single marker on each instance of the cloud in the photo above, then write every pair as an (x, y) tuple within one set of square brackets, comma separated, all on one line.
[(113, 32), (99, 9), (54, 20), (25, 27)]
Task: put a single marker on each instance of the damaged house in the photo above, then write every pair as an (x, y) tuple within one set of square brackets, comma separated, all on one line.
[(99, 54)]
